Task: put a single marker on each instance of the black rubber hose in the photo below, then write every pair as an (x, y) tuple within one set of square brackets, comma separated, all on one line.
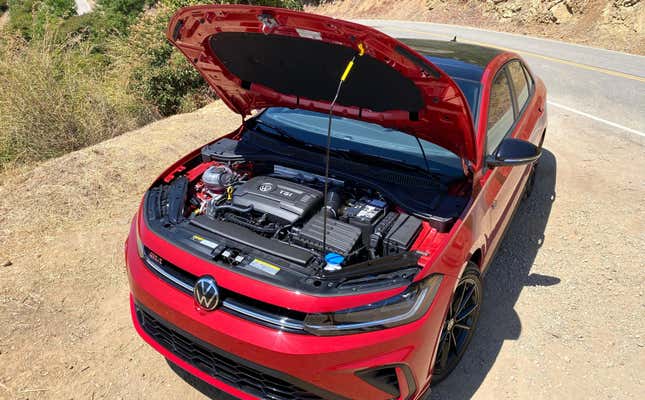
[(214, 210), (333, 203), (236, 219)]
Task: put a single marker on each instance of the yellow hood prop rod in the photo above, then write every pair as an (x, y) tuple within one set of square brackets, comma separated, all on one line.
[(348, 68)]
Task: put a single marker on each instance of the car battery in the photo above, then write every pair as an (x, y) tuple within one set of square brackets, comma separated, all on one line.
[(365, 214)]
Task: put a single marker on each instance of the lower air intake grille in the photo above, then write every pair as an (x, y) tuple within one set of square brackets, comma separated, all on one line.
[(231, 370)]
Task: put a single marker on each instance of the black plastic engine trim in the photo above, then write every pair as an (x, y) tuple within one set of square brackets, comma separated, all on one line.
[(280, 199), (342, 238), (380, 265), (248, 238)]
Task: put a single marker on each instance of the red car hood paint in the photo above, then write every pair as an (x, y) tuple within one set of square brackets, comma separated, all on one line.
[(296, 60)]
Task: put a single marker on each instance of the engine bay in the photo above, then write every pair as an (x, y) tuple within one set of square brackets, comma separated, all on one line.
[(286, 205), (266, 216)]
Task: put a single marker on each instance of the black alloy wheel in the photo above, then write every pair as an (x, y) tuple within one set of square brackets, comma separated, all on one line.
[(460, 324)]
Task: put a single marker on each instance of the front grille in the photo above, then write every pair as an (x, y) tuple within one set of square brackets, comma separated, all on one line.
[(233, 303), (241, 374)]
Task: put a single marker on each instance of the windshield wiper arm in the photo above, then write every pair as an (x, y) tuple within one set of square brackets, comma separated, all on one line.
[(354, 154), (276, 131)]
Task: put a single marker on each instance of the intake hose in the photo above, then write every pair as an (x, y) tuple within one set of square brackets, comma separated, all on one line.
[(333, 203), (214, 210), (270, 229)]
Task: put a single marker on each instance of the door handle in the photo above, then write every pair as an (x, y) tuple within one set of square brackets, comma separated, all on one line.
[(493, 204)]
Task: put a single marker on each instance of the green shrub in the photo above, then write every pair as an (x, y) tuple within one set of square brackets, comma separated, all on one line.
[(30, 17), (111, 17), (157, 73), (58, 101), (20, 18), (91, 27), (71, 81), (57, 8), (120, 14)]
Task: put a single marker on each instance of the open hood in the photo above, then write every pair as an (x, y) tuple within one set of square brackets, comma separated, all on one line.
[(256, 57)]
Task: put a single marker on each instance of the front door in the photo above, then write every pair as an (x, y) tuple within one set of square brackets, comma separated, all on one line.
[(510, 95)]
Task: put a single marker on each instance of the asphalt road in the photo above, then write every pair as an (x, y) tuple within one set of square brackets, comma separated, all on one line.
[(602, 85)]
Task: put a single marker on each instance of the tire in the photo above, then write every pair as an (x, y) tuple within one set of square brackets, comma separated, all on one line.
[(464, 313)]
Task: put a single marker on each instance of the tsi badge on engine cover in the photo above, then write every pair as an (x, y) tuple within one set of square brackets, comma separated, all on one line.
[(283, 200)]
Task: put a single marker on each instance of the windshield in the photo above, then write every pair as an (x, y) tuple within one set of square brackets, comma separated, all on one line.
[(362, 137)]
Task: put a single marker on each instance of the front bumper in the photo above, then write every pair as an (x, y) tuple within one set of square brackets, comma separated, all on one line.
[(326, 367)]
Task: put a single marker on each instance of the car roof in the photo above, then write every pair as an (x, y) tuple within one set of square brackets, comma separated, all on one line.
[(458, 60)]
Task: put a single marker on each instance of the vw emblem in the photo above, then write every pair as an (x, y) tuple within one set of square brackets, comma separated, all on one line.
[(266, 187), (206, 293)]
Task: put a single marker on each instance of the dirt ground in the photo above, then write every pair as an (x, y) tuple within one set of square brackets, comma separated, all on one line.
[(611, 24), (564, 299)]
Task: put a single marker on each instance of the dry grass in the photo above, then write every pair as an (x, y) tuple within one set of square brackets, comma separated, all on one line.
[(55, 100), (56, 194)]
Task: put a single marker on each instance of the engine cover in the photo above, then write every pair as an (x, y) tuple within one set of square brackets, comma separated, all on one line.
[(283, 200)]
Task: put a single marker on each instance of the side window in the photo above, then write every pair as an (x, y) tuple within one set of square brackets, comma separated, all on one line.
[(500, 112), (519, 83)]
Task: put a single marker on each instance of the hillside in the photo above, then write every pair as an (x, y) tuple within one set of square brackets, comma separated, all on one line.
[(612, 24)]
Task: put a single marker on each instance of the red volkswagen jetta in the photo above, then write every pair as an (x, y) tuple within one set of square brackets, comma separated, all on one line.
[(333, 246)]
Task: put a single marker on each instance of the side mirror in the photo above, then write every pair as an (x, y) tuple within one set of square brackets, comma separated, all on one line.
[(512, 152)]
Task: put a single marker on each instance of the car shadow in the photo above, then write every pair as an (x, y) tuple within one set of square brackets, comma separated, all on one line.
[(508, 274)]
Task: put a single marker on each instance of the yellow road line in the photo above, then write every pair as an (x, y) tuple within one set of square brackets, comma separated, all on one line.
[(528, 53)]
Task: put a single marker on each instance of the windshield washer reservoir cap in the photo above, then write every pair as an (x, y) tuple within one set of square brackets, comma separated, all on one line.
[(334, 261)]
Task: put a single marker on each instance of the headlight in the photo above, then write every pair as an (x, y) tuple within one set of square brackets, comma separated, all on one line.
[(401, 309), (140, 248)]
